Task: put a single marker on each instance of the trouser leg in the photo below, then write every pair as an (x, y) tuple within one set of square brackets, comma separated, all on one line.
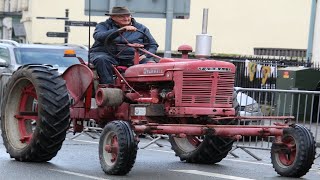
[(103, 65)]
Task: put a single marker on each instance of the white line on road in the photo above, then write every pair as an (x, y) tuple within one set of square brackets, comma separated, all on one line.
[(203, 173), (92, 142), (237, 160), (78, 174), (171, 152)]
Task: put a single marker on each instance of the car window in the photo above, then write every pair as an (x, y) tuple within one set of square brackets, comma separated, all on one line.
[(47, 56), (4, 54)]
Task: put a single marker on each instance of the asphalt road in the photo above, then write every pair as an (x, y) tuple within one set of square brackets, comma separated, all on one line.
[(78, 159)]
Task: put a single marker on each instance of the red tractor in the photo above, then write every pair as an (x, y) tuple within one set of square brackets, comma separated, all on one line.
[(191, 100)]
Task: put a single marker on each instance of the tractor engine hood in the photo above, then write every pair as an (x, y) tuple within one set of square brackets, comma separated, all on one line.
[(164, 70)]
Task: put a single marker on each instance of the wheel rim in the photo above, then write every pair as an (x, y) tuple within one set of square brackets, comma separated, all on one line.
[(111, 148), (189, 143), (22, 111), (287, 156)]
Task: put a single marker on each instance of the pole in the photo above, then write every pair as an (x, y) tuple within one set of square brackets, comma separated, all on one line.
[(66, 28), (205, 21), (311, 30), (112, 3), (169, 19), (89, 43)]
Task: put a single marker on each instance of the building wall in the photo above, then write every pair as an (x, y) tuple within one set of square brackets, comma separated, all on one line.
[(237, 26)]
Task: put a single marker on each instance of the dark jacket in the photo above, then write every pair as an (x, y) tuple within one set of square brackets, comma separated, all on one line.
[(104, 29)]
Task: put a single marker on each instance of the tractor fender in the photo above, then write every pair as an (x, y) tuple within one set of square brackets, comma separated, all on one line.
[(78, 78)]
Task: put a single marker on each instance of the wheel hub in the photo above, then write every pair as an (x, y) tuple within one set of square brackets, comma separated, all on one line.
[(112, 148), (287, 154), (27, 114)]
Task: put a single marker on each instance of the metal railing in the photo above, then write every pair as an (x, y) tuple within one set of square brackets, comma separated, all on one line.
[(303, 105)]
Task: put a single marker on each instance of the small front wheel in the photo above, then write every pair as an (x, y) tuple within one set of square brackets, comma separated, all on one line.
[(117, 148), (294, 156)]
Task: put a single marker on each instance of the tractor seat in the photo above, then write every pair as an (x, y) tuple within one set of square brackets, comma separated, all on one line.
[(121, 69)]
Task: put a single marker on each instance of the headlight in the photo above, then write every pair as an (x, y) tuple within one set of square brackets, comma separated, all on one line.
[(252, 108)]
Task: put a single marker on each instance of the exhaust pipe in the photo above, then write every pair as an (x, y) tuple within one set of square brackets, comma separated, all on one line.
[(204, 41)]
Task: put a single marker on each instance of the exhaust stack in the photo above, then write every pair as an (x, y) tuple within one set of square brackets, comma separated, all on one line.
[(204, 41)]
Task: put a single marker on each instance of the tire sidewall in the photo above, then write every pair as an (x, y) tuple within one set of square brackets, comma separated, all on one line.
[(275, 156), (187, 155), (17, 78), (108, 128), (305, 153), (209, 146), (128, 152), (47, 137)]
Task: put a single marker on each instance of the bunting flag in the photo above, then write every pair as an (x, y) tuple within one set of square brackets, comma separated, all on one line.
[(266, 70), (252, 68)]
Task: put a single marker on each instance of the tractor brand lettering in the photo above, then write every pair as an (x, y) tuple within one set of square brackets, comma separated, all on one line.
[(213, 69), (152, 71)]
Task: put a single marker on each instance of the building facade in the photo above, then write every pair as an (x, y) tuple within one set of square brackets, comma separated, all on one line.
[(236, 26)]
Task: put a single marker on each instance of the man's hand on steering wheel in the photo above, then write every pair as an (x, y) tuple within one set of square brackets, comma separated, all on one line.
[(142, 57), (110, 45), (128, 28)]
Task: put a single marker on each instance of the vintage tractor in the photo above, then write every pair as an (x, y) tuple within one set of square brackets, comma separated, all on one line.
[(191, 100)]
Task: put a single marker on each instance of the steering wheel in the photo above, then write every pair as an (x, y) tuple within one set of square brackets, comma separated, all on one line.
[(112, 47)]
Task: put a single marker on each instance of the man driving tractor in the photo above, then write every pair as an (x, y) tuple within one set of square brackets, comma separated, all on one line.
[(103, 60)]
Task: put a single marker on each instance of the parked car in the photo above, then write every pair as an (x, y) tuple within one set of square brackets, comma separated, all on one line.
[(14, 54), (249, 107)]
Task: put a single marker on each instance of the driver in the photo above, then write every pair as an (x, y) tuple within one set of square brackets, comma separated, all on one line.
[(120, 19)]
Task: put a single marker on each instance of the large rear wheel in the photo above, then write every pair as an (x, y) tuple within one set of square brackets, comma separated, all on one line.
[(35, 113), (207, 149), (117, 148), (295, 155)]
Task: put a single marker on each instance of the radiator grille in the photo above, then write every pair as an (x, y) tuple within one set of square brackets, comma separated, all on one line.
[(224, 88), (198, 88)]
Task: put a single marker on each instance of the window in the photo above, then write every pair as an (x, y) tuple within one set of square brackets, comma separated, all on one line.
[(4, 54), (46, 56)]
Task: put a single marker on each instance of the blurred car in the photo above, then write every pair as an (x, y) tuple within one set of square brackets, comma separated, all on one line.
[(249, 107), (14, 54)]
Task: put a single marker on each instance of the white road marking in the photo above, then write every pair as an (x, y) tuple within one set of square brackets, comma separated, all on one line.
[(78, 174), (203, 173), (91, 142), (171, 152), (237, 160)]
